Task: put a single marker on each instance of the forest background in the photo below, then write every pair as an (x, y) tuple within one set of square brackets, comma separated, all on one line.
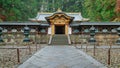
[(96, 10)]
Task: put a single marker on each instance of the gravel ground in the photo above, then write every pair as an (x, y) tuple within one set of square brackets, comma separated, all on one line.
[(8, 55), (101, 54)]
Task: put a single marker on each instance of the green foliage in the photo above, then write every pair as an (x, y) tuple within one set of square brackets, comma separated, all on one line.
[(0, 20), (21, 10), (18, 10), (99, 10)]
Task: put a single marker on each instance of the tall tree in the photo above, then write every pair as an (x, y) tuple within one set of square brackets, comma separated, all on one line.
[(117, 11)]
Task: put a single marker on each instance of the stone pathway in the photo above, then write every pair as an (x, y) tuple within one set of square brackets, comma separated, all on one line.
[(61, 57)]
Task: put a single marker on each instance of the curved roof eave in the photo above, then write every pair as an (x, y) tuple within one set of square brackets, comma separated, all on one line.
[(95, 23), (41, 16)]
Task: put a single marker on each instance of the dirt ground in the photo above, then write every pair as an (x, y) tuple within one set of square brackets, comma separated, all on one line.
[(9, 54)]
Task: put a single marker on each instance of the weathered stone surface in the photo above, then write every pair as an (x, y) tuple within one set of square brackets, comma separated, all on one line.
[(61, 57)]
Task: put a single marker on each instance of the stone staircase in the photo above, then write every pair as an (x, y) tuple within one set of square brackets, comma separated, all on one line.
[(59, 39)]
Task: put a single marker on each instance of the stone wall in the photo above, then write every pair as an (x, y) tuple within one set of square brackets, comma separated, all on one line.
[(17, 38), (105, 39), (102, 39)]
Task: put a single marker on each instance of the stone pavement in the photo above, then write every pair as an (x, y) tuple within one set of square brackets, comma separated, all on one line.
[(61, 57)]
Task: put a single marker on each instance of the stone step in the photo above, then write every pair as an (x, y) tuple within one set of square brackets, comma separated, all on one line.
[(59, 40)]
